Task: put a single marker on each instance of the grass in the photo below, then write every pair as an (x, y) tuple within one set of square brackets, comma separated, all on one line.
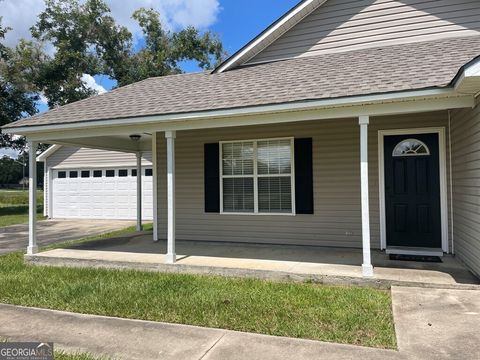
[(14, 207), (60, 355), (351, 315)]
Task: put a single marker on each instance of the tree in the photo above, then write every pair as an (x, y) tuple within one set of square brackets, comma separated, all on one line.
[(85, 37), (164, 50), (17, 98), (87, 40)]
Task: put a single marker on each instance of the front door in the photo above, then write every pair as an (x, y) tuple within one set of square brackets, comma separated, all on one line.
[(412, 190)]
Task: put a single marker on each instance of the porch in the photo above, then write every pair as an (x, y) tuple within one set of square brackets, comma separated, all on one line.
[(334, 231), (327, 265)]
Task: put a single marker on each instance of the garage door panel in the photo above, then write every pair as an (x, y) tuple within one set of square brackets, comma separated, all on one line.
[(99, 197)]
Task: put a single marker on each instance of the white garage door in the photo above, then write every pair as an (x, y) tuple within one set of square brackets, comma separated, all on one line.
[(108, 193)]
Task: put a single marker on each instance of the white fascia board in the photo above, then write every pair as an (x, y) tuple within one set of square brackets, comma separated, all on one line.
[(274, 32), (358, 104), (468, 82), (44, 155)]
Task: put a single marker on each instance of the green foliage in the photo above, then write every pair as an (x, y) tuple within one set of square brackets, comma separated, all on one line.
[(11, 172), (83, 35), (16, 97), (164, 50)]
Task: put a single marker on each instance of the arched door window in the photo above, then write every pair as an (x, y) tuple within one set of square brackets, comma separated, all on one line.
[(411, 147)]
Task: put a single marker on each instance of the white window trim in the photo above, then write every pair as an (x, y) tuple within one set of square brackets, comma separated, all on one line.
[(411, 154), (256, 176)]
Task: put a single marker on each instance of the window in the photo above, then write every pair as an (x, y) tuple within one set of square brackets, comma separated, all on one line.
[(148, 172), (411, 147), (97, 173), (62, 174), (257, 176), (85, 174), (109, 173), (134, 172), (73, 174), (123, 173)]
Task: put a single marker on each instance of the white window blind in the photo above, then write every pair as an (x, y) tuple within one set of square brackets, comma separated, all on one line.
[(257, 176)]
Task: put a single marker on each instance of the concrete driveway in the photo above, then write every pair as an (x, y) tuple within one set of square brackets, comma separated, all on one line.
[(15, 237)]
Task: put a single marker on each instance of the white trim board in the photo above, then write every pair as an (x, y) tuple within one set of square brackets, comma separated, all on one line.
[(443, 179), (372, 105), (270, 34)]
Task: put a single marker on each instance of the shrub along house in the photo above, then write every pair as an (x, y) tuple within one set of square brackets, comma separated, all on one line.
[(345, 123)]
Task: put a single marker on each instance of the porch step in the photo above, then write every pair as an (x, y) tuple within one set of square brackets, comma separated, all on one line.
[(403, 250)]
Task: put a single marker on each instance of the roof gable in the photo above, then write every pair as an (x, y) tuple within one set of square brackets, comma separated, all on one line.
[(347, 25), (270, 34)]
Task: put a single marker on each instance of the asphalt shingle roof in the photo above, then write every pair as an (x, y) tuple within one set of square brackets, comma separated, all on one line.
[(370, 71)]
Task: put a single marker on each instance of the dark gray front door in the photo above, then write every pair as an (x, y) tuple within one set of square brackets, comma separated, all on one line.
[(412, 190)]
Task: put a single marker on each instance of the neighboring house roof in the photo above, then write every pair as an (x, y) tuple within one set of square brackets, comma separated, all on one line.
[(432, 64)]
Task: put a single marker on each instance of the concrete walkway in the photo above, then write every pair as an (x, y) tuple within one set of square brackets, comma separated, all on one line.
[(430, 324), (15, 237)]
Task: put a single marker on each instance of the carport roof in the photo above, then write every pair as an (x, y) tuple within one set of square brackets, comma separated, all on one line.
[(415, 66)]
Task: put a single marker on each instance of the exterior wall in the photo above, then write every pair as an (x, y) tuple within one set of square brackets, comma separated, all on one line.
[(68, 157), (336, 165), (344, 25), (466, 185)]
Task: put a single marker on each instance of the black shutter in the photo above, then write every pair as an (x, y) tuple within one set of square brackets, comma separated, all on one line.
[(303, 176), (212, 178)]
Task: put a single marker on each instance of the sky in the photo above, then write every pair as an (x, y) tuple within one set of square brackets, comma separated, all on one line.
[(236, 22)]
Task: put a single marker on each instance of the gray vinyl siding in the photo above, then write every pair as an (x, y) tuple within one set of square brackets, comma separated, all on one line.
[(466, 185), (336, 165), (74, 157), (345, 25)]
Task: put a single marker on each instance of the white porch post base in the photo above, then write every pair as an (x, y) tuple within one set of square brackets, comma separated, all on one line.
[(31, 250), (171, 256), (367, 268)]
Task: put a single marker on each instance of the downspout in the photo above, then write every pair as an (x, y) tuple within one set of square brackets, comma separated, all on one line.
[(451, 177)]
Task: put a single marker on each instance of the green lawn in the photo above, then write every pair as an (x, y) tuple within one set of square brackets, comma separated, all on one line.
[(60, 355), (14, 207), (351, 315)]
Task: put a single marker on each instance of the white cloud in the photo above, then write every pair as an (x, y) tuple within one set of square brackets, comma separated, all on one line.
[(20, 15), (8, 152), (90, 82)]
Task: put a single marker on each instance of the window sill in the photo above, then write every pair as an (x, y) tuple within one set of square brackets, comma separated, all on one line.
[(258, 214)]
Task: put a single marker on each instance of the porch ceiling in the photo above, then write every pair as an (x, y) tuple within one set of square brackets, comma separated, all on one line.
[(122, 143)]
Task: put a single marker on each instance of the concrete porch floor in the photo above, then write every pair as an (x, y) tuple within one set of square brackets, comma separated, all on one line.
[(278, 262)]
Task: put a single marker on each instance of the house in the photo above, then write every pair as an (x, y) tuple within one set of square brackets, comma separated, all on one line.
[(83, 183), (345, 123)]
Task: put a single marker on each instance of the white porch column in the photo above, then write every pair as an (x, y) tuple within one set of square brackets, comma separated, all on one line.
[(139, 191), (155, 186), (171, 256), (32, 199), (367, 268)]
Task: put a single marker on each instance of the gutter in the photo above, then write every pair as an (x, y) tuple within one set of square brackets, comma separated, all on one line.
[(252, 110)]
